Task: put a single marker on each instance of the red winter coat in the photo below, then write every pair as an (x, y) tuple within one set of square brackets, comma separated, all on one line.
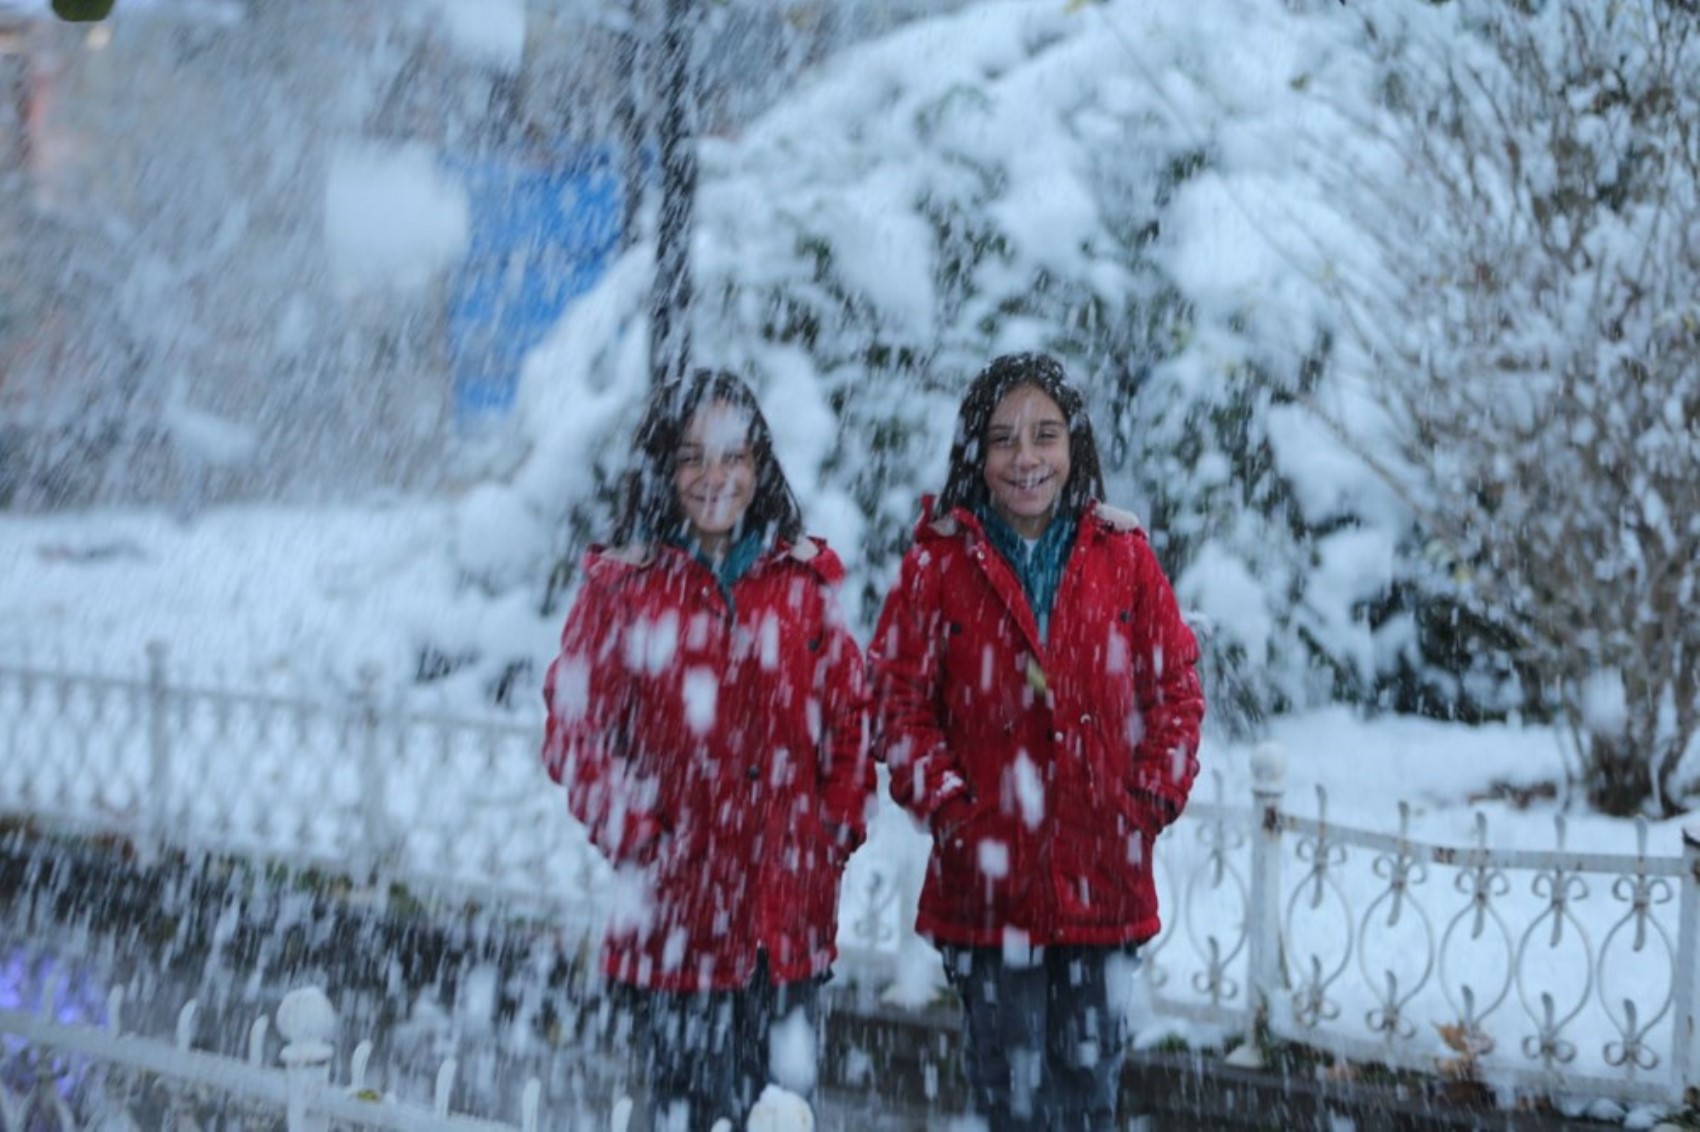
[(1044, 770), (717, 755)]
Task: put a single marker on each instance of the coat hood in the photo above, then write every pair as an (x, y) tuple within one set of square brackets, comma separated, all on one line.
[(609, 564), (1099, 516)]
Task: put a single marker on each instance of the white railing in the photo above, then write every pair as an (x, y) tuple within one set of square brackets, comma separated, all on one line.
[(455, 809), (134, 1069), (1551, 970), (347, 786)]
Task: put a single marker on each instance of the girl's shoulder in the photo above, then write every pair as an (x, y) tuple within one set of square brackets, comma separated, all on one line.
[(1118, 541), (953, 526), (608, 562), (634, 555), (615, 567), (1111, 533), (812, 553), (1114, 520), (940, 547)]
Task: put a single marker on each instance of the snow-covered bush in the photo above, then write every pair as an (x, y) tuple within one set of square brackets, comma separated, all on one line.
[(1540, 347)]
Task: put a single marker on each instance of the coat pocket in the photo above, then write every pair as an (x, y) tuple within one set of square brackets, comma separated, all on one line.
[(976, 868), (1104, 863)]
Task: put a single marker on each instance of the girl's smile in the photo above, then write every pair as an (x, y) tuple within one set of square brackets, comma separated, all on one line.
[(1027, 459)]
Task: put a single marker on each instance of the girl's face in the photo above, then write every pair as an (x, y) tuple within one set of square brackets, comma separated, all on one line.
[(714, 473), (1027, 460)]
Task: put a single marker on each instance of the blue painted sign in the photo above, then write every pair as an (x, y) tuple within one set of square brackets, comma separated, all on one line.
[(542, 234)]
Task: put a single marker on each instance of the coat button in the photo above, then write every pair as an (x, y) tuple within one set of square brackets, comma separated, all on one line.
[(1056, 736), (753, 773)]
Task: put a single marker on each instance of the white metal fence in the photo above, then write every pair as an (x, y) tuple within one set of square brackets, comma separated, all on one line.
[(251, 1092), (457, 810), (1549, 970)]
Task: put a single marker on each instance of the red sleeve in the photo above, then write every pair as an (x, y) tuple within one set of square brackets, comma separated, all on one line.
[(905, 664), (589, 700), (847, 770), (1171, 698)]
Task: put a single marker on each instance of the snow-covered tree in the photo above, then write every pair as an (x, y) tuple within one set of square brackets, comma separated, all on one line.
[(1540, 352), (1043, 183)]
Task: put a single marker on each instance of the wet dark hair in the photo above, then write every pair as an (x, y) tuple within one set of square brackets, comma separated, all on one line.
[(649, 503), (965, 484)]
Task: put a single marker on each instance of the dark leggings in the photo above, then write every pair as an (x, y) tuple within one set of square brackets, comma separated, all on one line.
[(706, 1056), (1044, 1041)]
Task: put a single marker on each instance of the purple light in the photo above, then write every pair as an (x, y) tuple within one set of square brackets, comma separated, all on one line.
[(78, 999)]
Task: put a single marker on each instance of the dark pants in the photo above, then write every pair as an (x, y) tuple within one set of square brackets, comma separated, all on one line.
[(709, 1055), (1043, 1035)]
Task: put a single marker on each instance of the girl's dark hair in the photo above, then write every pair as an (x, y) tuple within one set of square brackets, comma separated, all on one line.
[(965, 484), (649, 503)]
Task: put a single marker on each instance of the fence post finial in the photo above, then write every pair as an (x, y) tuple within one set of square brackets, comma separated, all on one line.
[(307, 1022), (1269, 770)]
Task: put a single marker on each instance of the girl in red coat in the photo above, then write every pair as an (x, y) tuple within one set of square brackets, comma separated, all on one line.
[(707, 716), (1036, 699)]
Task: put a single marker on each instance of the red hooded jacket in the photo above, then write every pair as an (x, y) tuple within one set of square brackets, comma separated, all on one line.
[(716, 752), (1043, 768)]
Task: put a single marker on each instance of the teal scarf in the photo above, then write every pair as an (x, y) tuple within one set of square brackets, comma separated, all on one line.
[(740, 556), (1040, 569)]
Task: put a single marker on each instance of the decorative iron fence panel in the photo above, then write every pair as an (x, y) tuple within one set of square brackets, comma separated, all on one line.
[(1547, 969), (1551, 970), (453, 809)]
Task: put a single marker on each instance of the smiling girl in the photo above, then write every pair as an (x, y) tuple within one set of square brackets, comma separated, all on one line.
[(707, 717), (1036, 700)]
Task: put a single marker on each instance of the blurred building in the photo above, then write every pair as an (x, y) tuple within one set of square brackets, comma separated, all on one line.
[(175, 325)]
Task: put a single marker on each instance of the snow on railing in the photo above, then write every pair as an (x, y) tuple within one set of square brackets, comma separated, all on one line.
[(1548, 970), (134, 1070)]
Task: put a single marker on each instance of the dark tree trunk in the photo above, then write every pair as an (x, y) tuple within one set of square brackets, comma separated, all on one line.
[(670, 297), (1619, 775), (631, 125)]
